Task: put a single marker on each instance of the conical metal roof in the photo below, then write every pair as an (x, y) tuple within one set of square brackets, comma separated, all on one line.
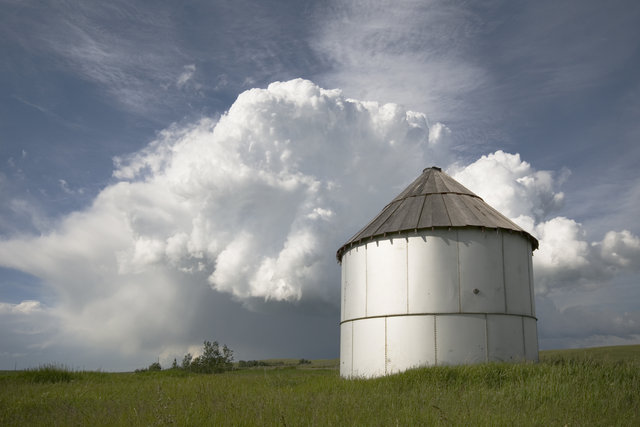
[(433, 200)]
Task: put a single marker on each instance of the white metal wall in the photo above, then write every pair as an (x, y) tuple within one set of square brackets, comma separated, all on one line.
[(436, 297)]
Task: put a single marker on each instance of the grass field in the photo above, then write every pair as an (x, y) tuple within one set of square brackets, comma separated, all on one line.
[(572, 387)]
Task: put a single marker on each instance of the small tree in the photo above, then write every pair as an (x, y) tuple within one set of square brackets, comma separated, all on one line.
[(212, 360), (227, 356), (155, 366), (186, 361)]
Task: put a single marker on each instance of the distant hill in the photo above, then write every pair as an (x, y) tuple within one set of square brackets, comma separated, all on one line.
[(612, 353)]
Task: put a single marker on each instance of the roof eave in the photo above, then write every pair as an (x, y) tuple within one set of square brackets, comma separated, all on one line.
[(353, 243)]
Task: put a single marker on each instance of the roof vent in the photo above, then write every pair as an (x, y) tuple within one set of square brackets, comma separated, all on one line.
[(432, 167)]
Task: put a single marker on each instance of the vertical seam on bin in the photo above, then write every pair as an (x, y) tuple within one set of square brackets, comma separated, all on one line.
[(504, 274), (385, 345), (486, 337), (343, 289), (524, 340), (459, 275), (366, 279), (435, 341), (351, 374), (530, 281), (406, 256)]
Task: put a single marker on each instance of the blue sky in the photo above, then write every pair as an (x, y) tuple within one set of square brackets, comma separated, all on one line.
[(181, 171)]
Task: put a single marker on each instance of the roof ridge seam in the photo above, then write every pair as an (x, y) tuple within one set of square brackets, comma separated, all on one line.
[(446, 210), (421, 210)]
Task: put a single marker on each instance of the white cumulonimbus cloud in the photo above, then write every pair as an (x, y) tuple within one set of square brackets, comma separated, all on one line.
[(258, 198), (255, 204)]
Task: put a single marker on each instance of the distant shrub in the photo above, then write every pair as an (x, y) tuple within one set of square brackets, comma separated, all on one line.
[(154, 367), (49, 374), (251, 363), (304, 362)]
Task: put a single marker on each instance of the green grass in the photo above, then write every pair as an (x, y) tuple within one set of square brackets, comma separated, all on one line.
[(572, 387), (313, 364)]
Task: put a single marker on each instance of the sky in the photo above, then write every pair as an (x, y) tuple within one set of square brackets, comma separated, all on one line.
[(174, 172)]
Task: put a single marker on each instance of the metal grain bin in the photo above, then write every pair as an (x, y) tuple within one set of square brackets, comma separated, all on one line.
[(439, 277)]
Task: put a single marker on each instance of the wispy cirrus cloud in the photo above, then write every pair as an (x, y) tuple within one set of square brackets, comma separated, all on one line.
[(134, 57), (144, 60), (412, 52), (131, 55), (561, 49), (186, 75)]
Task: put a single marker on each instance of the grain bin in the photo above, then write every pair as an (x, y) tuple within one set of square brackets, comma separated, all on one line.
[(438, 277)]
